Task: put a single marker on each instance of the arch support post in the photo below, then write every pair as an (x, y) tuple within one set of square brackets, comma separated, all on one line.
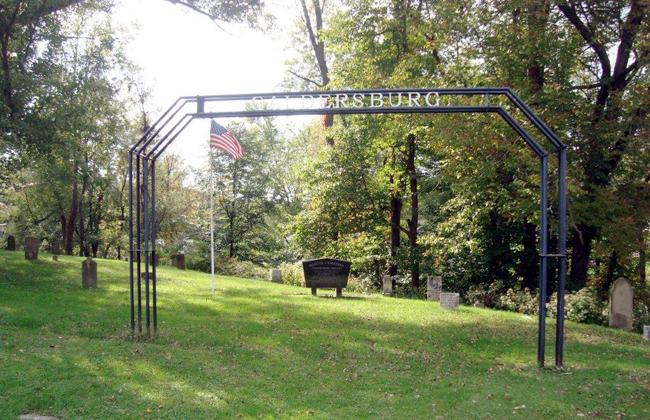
[(543, 259), (562, 234)]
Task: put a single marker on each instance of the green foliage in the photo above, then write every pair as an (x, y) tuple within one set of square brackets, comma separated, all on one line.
[(581, 306)]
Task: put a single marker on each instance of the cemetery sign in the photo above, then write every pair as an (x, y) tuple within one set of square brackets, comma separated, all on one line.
[(326, 273)]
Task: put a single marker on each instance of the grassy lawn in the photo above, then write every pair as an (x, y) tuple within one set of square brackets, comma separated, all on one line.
[(257, 349)]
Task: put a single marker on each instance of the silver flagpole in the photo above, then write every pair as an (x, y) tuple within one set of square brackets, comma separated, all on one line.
[(211, 219)]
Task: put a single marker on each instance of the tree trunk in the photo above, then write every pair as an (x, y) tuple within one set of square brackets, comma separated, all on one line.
[(529, 263), (642, 259), (68, 233), (581, 242), (414, 255), (395, 221)]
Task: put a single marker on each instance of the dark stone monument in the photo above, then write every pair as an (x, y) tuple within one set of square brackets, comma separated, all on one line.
[(156, 260), (89, 273), (11, 243), (55, 257), (388, 286), (621, 300), (276, 276), (449, 300), (178, 261), (31, 248), (434, 287), (326, 273)]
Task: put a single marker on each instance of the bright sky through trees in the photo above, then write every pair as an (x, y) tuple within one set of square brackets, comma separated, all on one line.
[(184, 53)]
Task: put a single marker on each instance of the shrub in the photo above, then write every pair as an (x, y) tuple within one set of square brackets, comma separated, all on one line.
[(522, 301), (292, 274), (484, 294), (581, 306)]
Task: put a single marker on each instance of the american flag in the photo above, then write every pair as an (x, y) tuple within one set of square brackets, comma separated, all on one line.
[(222, 139)]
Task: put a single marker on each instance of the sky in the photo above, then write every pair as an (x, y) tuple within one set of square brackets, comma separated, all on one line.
[(183, 53)]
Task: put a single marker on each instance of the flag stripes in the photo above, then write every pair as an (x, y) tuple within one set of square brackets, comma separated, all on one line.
[(222, 139)]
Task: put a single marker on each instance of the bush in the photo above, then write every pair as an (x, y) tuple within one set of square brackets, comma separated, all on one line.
[(484, 294), (522, 301), (640, 315), (292, 274), (581, 306)]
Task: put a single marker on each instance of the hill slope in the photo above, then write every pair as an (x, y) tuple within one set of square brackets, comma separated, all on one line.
[(254, 348)]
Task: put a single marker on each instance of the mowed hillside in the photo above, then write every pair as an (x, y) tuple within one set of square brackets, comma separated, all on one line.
[(257, 349)]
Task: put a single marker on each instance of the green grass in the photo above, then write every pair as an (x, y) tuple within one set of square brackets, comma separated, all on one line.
[(256, 349)]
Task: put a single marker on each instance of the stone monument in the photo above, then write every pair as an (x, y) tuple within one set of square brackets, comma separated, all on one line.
[(434, 287), (56, 250), (449, 300), (326, 273), (620, 305), (89, 273), (55, 257), (276, 276), (11, 243), (31, 248), (646, 332), (388, 286), (178, 261)]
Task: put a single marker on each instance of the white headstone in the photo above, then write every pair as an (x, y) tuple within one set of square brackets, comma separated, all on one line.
[(449, 300), (646, 332), (388, 286), (276, 275), (434, 287), (621, 304)]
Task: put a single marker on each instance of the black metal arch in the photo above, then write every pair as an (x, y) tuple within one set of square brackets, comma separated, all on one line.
[(156, 139)]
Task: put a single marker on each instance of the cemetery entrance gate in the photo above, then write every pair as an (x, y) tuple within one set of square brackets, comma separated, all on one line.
[(156, 139)]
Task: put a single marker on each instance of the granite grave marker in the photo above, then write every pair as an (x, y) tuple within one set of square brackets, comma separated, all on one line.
[(621, 304), (434, 287), (449, 300), (89, 273), (31, 248), (11, 243)]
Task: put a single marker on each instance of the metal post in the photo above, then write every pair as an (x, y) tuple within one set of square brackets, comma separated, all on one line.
[(153, 245), (562, 233), (543, 259), (131, 241), (211, 221), (138, 242), (145, 191)]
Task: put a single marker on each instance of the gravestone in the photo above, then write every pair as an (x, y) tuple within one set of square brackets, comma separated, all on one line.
[(178, 261), (326, 273), (31, 248), (276, 276), (646, 332), (89, 273), (11, 243), (56, 250), (434, 287), (388, 286), (620, 305), (156, 260), (55, 257), (449, 300)]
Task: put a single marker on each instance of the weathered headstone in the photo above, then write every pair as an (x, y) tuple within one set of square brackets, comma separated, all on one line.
[(326, 273), (449, 300), (388, 285), (55, 257), (89, 273), (646, 332), (31, 248), (178, 261), (156, 260), (11, 243), (434, 287), (56, 250), (276, 276), (621, 304)]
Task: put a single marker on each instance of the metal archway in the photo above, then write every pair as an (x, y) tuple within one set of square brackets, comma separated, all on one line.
[(144, 153)]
